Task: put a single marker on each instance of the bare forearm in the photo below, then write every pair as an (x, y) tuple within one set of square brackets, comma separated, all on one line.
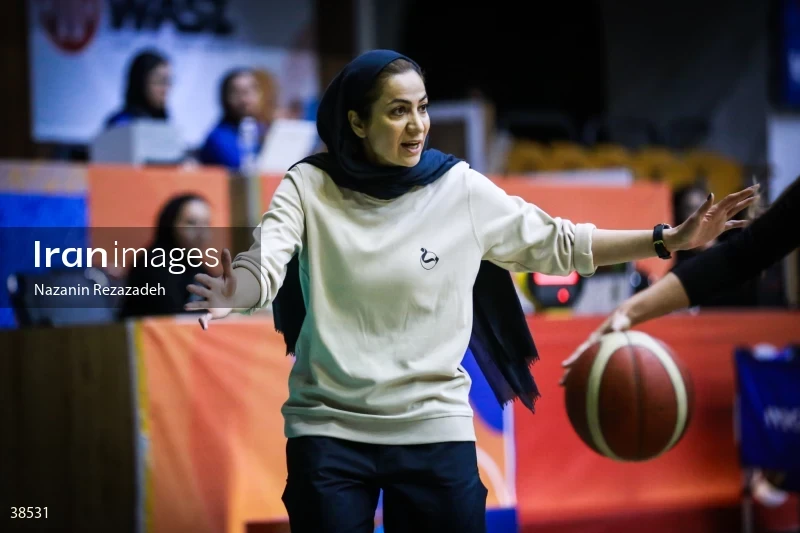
[(665, 296), (611, 247)]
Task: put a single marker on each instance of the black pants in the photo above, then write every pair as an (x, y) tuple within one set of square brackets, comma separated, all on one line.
[(333, 486)]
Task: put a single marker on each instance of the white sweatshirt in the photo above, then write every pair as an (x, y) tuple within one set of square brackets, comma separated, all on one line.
[(388, 292)]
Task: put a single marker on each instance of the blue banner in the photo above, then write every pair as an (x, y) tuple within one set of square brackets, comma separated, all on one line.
[(769, 409), (789, 53), (54, 220)]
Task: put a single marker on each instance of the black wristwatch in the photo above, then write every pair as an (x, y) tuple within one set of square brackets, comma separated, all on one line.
[(658, 241)]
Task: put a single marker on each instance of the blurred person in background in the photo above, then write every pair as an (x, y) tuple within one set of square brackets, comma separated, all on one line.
[(182, 223), (241, 97), (387, 262), (149, 82), (295, 110), (701, 279)]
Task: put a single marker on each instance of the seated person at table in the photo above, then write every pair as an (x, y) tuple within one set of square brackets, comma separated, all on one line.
[(182, 223), (240, 97), (149, 81)]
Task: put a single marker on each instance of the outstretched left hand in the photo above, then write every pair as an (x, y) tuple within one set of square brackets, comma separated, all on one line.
[(709, 221)]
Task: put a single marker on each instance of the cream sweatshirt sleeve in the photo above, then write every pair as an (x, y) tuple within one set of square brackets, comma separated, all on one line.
[(520, 237), (276, 239)]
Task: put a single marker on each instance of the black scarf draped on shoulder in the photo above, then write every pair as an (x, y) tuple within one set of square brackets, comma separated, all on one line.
[(501, 340)]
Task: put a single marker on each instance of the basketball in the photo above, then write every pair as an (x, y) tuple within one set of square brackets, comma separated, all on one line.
[(628, 397)]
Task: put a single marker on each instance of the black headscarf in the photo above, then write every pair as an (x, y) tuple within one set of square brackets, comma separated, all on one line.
[(501, 340), (174, 284), (136, 103)]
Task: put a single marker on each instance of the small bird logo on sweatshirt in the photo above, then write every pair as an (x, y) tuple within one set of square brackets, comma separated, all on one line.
[(428, 259)]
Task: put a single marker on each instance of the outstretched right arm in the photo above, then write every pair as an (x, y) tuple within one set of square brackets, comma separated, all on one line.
[(769, 238), (740, 258), (253, 278)]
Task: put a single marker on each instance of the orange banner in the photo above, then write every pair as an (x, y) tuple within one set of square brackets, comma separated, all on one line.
[(215, 432), (561, 481), (132, 197)]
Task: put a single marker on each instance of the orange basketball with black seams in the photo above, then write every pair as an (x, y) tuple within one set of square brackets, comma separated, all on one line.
[(628, 397)]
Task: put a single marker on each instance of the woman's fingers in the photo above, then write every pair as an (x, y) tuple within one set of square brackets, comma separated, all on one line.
[(704, 207), (744, 193), (205, 279), (199, 290), (734, 198), (741, 206), (732, 224), (568, 362), (227, 271), (594, 337), (204, 320), (577, 353), (619, 322), (194, 306)]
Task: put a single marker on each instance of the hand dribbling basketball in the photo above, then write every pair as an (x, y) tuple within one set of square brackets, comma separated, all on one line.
[(617, 321), (217, 293), (703, 226)]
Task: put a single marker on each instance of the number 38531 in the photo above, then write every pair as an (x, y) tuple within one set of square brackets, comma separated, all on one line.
[(29, 512)]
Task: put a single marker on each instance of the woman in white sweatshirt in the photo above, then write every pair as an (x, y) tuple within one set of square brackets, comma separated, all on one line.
[(392, 261)]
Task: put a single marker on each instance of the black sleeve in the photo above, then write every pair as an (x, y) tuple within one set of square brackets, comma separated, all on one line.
[(768, 239)]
